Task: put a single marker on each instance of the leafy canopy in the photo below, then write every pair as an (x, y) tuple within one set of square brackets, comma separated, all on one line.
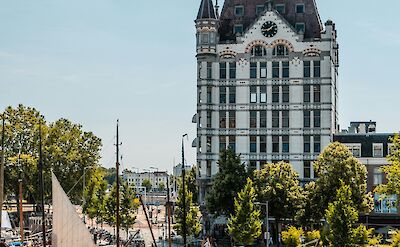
[(244, 225), (336, 165), (230, 180), (193, 226)]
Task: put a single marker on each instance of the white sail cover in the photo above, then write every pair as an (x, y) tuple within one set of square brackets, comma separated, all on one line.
[(5, 221), (68, 228)]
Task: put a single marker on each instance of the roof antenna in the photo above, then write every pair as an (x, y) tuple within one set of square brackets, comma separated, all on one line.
[(216, 9)]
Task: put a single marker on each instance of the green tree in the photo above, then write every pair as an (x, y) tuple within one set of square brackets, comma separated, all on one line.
[(364, 236), (192, 184), (392, 170), (244, 225), (128, 207), (309, 214), (94, 195), (101, 196), (229, 181), (279, 185), (336, 165), (110, 206), (396, 239), (161, 186), (147, 184), (110, 175), (312, 235), (67, 149), (291, 237), (22, 150), (193, 226), (342, 217)]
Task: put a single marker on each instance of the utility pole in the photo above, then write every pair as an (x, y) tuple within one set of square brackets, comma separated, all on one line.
[(2, 172), (21, 213), (169, 215), (184, 230), (117, 179), (42, 185)]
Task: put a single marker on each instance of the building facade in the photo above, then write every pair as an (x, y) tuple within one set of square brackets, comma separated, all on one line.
[(371, 149), (135, 179), (266, 84)]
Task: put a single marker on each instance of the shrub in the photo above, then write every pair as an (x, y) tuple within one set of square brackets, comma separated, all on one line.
[(291, 237), (312, 235), (396, 239)]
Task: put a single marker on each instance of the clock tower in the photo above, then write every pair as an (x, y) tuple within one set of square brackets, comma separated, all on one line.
[(266, 84)]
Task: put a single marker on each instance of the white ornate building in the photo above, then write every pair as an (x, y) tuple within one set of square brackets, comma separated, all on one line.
[(267, 84)]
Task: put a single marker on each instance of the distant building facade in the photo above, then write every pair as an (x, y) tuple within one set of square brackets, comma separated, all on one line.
[(371, 148), (266, 84), (135, 179)]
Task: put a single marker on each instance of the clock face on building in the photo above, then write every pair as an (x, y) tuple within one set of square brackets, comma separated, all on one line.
[(269, 29)]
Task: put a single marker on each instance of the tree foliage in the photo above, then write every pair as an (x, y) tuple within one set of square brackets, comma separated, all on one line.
[(67, 149), (342, 217), (147, 184), (396, 239), (193, 226), (392, 170), (244, 225), (229, 181), (94, 194), (161, 186), (291, 237), (192, 184), (336, 165), (279, 185), (128, 206)]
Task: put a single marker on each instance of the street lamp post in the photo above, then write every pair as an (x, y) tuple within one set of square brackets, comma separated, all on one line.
[(267, 223)]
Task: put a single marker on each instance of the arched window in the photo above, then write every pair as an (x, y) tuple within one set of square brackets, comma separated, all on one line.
[(258, 51), (280, 50)]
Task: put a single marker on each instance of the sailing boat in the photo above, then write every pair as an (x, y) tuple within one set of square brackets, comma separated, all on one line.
[(68, 228)]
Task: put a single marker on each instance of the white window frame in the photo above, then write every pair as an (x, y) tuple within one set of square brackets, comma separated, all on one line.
[(259, 7), (353, 146), (280, 5), (378, 176), (302, 24), (304, 8), (239, 26), (380, 145), (239, 7)]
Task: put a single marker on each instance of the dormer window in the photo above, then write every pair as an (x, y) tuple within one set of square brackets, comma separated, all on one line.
[(280, 8), (259, 9), (300, 27), (300, 9), (280, 50), (239, 10), (238, 29), (258, 51)]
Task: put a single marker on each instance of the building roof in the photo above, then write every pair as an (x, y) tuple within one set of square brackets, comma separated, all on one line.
[(228, 19), (206, 10)]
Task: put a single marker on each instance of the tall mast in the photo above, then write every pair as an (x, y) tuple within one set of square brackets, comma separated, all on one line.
[(2, 171), (117, 179), (42, 185), (184, 230), (169, 214)]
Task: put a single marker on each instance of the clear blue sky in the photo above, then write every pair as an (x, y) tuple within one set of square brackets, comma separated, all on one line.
[(93, 61)]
